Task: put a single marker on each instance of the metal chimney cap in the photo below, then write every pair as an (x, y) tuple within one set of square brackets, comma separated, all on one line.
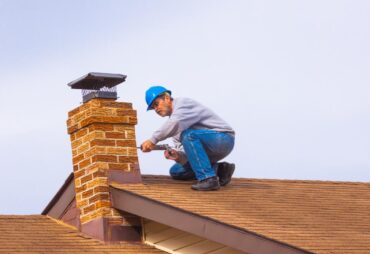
[(97, 80)]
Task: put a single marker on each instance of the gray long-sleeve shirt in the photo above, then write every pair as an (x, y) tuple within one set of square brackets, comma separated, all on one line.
[(188, 113)]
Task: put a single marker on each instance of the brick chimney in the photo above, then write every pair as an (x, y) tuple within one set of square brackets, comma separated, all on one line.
[(102, 133)]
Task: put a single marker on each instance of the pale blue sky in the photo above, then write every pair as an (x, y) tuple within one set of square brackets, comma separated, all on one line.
[(291, 77)]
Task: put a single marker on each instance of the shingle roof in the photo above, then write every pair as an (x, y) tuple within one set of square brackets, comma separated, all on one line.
[(41, 234), (318, 216)]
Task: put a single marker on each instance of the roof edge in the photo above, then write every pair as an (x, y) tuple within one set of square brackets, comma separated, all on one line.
[(206, 227), (57, 196)]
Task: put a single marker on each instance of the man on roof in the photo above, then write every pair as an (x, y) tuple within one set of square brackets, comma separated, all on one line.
[(200, 136)]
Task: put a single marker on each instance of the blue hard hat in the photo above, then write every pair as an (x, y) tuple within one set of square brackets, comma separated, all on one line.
[(152, 93)]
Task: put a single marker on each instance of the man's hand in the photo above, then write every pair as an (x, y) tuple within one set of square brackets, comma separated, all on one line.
[(147, 146), (171, 155)]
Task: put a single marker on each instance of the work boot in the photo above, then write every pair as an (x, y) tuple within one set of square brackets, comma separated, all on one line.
[(208, 184), (224, 172)]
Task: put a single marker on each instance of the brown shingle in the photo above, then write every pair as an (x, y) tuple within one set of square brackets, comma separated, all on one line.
[(318, 216), (41, 234)]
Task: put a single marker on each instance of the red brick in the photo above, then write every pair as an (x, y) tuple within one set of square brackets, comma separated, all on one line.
[(88, 209), (107, 204), (128, 159), (124, 127), (83, 148), (117, 150), (86, 122), (80, 189), (132, 151), (73, 112), (100, 173), (102, 142), (101, 189), (78, 117), (132, 120), (84, 163), (101, 127), (126, 112), (104, 158), (115, 135), (72, 137), (72, 129), (82, 203), (78, 158), (130, 134), (87, 193), (86, 179), (104, 119), (76, 143), (81, 133), (126, 143), (79, 173), (95, 150), (99, 196), (86, 106), (102, 112), (69, 122)]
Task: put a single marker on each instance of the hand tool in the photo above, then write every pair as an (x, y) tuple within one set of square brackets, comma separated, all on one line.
[(159, 147)]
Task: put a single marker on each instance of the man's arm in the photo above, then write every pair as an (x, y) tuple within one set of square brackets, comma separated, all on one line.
[(187, 113), (181, 158), (168, 129), (147, 146)]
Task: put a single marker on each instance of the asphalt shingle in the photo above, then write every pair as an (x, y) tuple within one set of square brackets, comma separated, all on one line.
[(41, 234), (318, 216)]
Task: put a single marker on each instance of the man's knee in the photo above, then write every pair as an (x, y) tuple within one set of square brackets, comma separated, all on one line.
[(176, 169), (187, 135), (178, 172)]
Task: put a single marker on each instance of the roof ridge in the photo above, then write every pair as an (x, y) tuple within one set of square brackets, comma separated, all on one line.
[(300, 180), (276, 179)]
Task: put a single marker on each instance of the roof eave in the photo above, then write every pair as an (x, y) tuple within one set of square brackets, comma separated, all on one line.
[(237, 238), (61, 199)]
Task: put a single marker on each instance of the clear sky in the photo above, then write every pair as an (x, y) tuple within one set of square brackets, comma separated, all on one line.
[(291, 77)]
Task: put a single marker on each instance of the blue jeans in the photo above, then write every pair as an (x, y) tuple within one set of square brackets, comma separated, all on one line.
[(203, 148)]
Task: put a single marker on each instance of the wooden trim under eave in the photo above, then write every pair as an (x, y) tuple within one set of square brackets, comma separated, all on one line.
[(248, 242), (61, 200)]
